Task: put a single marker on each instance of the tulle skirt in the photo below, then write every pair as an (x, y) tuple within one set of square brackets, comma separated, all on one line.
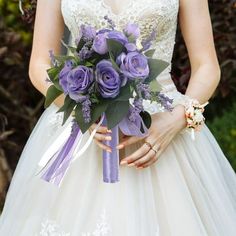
[(190, 190)]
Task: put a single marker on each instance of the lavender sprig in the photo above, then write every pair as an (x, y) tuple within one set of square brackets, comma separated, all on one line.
[(110, 22)]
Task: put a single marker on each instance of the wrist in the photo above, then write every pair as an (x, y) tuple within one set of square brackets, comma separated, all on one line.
[(178, 113)]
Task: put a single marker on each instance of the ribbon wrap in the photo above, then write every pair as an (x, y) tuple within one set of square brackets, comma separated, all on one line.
[(111, 160)]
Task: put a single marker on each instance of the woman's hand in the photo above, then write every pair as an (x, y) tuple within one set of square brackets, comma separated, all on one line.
[(164, 127), (101, 135)]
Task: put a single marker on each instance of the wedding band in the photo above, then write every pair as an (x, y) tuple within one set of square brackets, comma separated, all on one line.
[(154, 150), (149, 144)]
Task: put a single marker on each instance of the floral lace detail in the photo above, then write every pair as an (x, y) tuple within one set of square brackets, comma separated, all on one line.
[(102, 227), (150, 14), (51, 228)]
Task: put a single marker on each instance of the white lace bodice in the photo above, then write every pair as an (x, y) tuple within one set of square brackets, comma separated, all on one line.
[(160, 15)]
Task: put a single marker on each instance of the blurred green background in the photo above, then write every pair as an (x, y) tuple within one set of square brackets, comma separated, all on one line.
[(21, 104)]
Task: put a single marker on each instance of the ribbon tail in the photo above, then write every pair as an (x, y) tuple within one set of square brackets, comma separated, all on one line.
[(57, 168)]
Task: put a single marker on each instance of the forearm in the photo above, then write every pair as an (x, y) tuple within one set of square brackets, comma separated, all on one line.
[(38, 75), (203, 82)]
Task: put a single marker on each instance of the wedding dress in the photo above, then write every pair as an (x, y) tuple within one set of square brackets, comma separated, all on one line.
[(189, 191)]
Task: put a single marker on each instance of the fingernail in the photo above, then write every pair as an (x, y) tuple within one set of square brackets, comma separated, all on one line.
[(109, 131), (139, 167), (120, 146), (109, 150), (108, 138), (131, 164), (123, 162)]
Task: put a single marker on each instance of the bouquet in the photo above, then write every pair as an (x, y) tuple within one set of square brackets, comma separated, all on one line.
[(105, 79)]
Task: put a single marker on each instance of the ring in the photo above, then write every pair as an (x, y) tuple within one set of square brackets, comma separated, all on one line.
[(149, 144)]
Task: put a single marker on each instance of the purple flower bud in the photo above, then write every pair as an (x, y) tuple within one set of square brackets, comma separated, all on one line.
[(100, 43), (108, 79), (63, 76), (87, 32), (131, 47), (132, 30)]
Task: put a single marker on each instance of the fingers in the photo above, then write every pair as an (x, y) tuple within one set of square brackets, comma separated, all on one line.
[(135, 156), (101, 129), (128, 140), (100, 136), (103, 146), (146, 158)]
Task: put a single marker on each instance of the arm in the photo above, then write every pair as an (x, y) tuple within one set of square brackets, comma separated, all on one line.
[(197, 32), (48, 31), (196, 29)]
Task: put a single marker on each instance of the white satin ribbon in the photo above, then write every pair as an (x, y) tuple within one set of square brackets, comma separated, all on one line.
[(61, 139)]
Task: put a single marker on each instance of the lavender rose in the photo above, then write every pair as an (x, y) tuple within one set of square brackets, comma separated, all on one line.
[(108, 79), (79, 80), (133, 65), (63, 76), (132, 30)]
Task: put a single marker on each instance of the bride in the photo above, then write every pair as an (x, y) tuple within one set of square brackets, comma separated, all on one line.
[(169, 184)]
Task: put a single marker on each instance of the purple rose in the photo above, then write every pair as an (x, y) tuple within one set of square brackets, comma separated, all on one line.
[(108, 79), (63, 76), (132, 30), (133, 65), (79, 80)]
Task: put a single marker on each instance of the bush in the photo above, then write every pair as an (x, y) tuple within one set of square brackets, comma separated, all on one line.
[(224, 129)]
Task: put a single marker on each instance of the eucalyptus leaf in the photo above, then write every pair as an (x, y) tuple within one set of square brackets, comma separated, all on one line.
[(116, 112), (52, 94)]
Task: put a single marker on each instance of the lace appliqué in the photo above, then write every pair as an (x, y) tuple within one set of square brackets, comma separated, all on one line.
[(102, 227), (51, 228)]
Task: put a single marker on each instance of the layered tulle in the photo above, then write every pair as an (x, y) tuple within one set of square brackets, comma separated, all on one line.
[(191, 190)]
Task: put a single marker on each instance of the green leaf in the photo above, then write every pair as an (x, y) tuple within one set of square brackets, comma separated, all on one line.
[(53, 73), (156, 66), (125, 93), (150, 53), (115, 48), (52, 94), (117, 68), (67, 108), (155, 86), (96, 112), (70, 49), (80, 45), (67, 101), (116, 112), (147, 119)]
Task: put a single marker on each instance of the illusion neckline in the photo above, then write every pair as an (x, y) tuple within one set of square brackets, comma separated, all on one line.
[(116, 12)]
